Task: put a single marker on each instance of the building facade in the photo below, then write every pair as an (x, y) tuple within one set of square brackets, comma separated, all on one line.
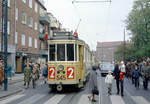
[(105, 50), (27, 26)]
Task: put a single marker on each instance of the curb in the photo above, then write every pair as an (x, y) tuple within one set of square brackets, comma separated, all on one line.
[(13, 93)]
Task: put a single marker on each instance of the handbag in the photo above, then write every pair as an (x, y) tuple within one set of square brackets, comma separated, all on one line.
[(95, 91)]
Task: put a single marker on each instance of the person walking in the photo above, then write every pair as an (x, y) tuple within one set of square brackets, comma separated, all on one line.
[(1, 75), (10, 72), (136, 74), (35, 75), (108, 80), (27, 74), (145, 74), (92, 84), (45, 73), (116, 75), (122, 73)]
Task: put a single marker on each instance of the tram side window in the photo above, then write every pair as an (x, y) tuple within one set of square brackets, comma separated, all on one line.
[(70, 52), (60, 52), (52, 53)]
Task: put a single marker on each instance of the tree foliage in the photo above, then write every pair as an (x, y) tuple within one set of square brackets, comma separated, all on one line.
[(138, 23)]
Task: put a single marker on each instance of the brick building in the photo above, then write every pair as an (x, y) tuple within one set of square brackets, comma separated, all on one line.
[(105, 50), (28, 23)]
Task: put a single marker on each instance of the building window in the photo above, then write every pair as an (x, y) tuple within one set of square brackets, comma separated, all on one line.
[(35, 26), (16, 37), (8, 27), (30, 41), (41, 28), (23, 39), (24, 18), (35, 43), (16, 13), (8, 3), (30, 3), (30, 22), (36, 7), (24, 1)]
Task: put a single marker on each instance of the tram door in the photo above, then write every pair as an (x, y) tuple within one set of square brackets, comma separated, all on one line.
[(81, 61)]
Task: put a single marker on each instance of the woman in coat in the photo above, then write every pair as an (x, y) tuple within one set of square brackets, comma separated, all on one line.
[(27, 75), (1, 75), (92, 83)]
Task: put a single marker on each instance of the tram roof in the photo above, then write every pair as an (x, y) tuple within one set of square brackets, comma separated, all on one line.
[(64, 36)]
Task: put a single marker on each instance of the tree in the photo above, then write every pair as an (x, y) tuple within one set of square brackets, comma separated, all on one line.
[(138, 23)]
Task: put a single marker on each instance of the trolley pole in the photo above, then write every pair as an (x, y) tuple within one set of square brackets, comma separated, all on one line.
[(5, 43), (124, 45)]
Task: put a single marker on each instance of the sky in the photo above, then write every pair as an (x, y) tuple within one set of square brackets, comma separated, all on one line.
[(100, 22)]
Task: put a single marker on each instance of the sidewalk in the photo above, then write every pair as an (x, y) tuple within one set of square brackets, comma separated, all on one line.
[(16, 78), (12, 89)]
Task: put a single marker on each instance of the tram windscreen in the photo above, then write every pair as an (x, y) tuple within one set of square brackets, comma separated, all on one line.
[(60, 52), (52, 53), (70, 52)]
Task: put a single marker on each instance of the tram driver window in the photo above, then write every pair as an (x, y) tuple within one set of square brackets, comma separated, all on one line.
[(52, 53), (60, 52), (70, 52)]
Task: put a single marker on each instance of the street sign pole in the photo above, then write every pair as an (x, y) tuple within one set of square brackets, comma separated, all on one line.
[(5, 43)]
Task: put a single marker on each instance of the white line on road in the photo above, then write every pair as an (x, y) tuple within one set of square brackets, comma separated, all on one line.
[(84, 99), (116, 99), (55, 99), (140, 100), (32, 99), (8, 100)]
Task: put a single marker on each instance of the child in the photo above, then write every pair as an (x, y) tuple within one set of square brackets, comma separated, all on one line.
[(108, 81)]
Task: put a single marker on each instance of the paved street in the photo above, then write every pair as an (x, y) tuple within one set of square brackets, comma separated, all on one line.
[(43, 95)]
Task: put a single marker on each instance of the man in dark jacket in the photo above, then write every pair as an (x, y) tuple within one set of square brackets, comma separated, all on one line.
[(116, 74)]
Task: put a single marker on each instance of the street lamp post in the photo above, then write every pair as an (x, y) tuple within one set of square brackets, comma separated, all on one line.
[(5, 43)]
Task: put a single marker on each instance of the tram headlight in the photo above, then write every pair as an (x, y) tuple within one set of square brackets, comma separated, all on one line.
[(61, 67)]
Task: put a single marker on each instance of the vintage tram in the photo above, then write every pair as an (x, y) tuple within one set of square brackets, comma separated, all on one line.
[(69, 61)]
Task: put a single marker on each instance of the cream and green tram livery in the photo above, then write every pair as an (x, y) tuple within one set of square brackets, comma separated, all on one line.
[(69, 61)]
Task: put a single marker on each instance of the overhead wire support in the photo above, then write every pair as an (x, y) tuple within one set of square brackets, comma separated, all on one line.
[(90, 1)]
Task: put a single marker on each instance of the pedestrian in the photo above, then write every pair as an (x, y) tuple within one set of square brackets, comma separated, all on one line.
[(1, 75), (136, 74), (45, 73), (108, 80), (27, 74), (116, 74), (9, 72), (35, 75), (122, 73), (92, 84), (132, 69), (145, 74)]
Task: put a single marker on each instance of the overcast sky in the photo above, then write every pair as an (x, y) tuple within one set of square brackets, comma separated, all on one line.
[(100, 22)]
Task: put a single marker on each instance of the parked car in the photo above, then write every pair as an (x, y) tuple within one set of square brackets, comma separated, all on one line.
[(105, 68)]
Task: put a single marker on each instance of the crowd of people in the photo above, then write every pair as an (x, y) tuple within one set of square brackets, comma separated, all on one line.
[(32, 72), (136, 69), (132, 70)]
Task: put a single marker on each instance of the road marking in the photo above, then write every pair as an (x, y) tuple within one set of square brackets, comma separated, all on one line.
[(116, 99), (55, 99), (84, 99), (32, 99), (140, 100), (8, 100)]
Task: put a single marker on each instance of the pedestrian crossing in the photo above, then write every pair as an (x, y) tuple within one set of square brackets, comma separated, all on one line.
[(56, 99), (115, 99)]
